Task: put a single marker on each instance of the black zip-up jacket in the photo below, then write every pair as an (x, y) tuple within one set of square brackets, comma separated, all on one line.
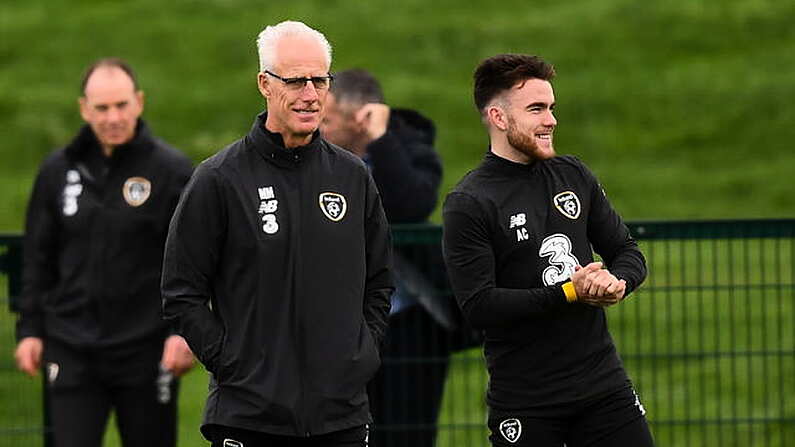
[(512, 236), (291, 249), (407, 171), (94, 239), (406, 167)]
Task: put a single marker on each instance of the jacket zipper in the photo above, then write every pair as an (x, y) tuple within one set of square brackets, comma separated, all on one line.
[(296, 227)]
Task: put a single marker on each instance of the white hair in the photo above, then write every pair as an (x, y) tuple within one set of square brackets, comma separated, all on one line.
[(271, 35)]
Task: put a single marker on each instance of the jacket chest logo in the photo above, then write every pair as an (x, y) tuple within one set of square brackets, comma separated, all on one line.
[(136, 190), (268, 205), (333, 205), (568, 204), (562, 261)]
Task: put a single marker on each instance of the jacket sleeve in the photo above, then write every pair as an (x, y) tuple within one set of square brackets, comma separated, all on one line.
[(408, 174), (610, 238), (469, 256), (193, 247), (181, 173), (40, 260), (379, 284)]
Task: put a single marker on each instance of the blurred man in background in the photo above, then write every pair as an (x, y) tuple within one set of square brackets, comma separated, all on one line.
[(283, 234), (398, 147), (396, 144), (90, 308), (518, 238)]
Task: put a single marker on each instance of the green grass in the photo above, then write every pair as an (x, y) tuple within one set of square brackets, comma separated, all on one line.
[(682, 108), (20, 414)]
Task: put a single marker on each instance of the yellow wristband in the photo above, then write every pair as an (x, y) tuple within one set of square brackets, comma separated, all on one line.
[(568, 289)]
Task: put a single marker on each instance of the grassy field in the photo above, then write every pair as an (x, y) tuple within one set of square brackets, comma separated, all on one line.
[(682, 108)]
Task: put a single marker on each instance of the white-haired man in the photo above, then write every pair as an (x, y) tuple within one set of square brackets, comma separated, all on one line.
[(284, 235)]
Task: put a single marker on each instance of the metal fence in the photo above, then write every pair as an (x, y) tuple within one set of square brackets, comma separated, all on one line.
[(708, 340), (21, 416)]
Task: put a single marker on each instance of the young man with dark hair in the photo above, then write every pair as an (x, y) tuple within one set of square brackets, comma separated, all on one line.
[(518, 238), (90, 307)]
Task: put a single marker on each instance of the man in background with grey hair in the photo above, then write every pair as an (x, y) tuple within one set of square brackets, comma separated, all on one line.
[(398, 146), (277, 266)]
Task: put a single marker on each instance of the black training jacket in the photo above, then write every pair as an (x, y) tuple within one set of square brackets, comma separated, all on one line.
[(406, 168), (512, 235), (94, 239), (291, 250)]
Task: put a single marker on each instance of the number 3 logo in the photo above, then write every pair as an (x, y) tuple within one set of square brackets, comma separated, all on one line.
[(562, 261), (270, 226)]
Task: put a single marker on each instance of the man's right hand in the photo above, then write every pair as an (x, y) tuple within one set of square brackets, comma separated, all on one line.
[(597, 286), (28, 355), (373, 118)]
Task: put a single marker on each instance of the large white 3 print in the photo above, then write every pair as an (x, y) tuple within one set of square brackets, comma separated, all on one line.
[(562, 261)]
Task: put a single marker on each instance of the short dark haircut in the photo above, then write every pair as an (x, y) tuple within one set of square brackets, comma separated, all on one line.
[(356, 86), (501, 72), (108, 62)]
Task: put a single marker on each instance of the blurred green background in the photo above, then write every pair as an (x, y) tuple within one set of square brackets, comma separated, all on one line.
[(682, 108)]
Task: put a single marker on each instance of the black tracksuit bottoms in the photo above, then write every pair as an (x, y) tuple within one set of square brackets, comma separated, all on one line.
[(83, 386), (613, 420)]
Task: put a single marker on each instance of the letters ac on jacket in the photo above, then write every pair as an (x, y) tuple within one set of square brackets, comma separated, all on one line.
[(512, 235), (291, 247)]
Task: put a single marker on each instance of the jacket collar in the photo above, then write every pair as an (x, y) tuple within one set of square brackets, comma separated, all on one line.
[(494, 162), (270, 145), (85, 141)]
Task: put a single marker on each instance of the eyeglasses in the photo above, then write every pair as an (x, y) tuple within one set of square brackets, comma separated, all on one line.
[(320, 82)]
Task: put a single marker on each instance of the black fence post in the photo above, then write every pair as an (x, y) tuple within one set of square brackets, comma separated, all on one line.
[(11, 264)]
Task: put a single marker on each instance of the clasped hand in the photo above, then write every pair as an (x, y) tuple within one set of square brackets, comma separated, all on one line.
[(596, 286)]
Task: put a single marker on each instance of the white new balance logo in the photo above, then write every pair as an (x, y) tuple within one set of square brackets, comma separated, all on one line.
[(517, 220)]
